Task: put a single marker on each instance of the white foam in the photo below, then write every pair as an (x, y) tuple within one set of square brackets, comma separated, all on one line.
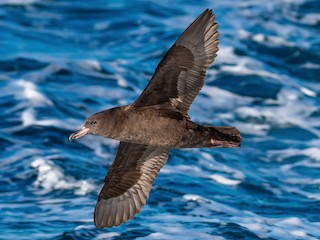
[(107, 235), (86, 227), (308, 92), (51, 177), (90, 64), (287, 110), (96, 144), (296, 190), (279, 41), (293, 221), (263, 227), (226, 54), (292, 180), (92, 68), (17, 2), (215, 166), (310, 18), (223, 180), (188, 168), (258, 37), (246, 112), (173, 227), (206, 156), (28, 118), (210, 166), (253, 128), (254, 227), (281, 32), (310, 65), (31, 93), (242, 69), (224, 98), (192, 197), (157, 235), (182, 169), (295, 1), (240, 65), (298, 233), (312, 152), (121, 81), (302, 180), (101, 26)]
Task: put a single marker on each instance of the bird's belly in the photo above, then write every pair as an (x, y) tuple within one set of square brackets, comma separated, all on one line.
[(153, 127), (155, 131)]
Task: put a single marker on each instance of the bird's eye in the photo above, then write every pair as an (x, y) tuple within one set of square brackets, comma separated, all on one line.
[(93, 122)]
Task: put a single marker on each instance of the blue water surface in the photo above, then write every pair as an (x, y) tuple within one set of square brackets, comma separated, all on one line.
[(63, 60)]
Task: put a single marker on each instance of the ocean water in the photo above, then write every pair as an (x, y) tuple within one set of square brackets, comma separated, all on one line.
[(61, 61)]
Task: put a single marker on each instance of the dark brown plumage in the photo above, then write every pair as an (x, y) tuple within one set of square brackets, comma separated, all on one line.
[(157, 121)]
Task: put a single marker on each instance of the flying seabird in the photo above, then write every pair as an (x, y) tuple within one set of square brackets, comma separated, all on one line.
[(157, 121)]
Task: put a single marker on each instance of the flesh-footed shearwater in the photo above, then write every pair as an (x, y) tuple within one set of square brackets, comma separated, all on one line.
[(157, 121)]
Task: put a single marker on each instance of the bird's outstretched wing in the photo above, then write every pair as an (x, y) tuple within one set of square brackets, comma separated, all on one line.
[(128, 183), (180, 75)]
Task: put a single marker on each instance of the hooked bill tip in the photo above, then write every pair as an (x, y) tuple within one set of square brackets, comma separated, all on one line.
[(71, 137), (83, 131)]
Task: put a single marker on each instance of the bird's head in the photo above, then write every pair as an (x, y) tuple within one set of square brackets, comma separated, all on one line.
[(92, 125)]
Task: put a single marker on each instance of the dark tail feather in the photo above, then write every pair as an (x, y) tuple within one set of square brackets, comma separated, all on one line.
[(228, 137)]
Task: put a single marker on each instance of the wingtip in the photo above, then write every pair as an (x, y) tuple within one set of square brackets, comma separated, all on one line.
[(208, 11), (207, 14), (107, 214)]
